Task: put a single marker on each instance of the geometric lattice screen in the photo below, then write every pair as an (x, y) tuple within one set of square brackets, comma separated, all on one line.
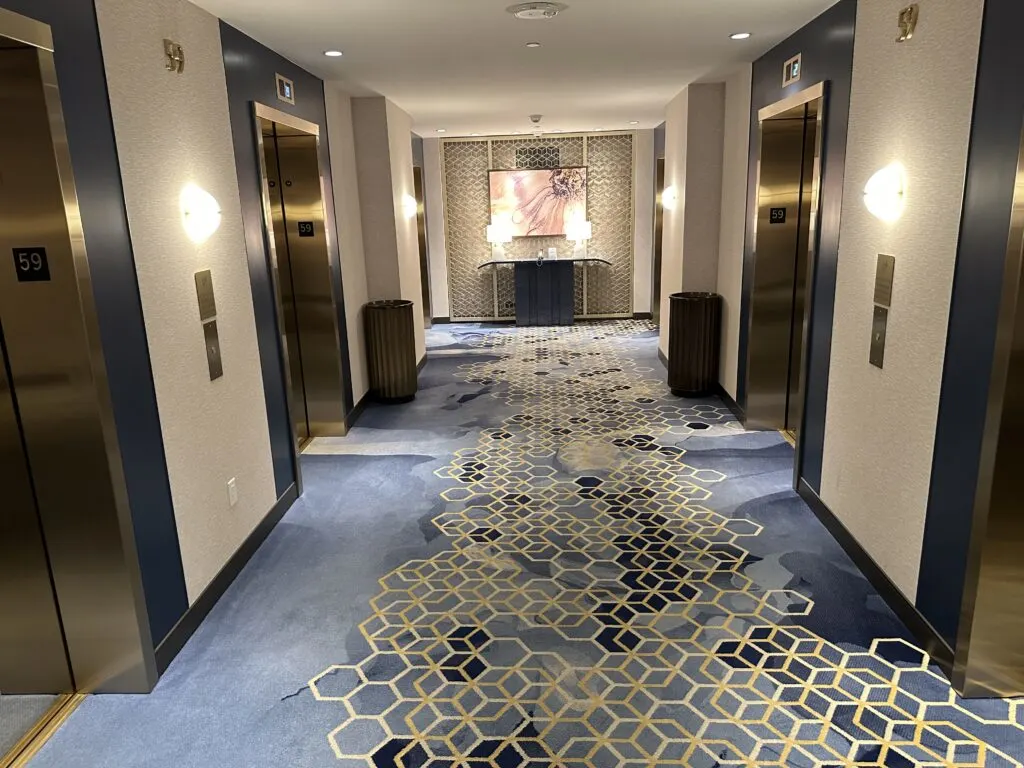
[(489, 294)]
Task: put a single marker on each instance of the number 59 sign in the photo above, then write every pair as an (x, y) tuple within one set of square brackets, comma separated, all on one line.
[(31, 265)]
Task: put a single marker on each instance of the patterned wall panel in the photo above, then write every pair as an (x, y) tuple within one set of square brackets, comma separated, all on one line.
[(609, 290), (467, 213), (610, 172)]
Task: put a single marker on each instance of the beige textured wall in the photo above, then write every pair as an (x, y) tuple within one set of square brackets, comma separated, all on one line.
[(173, 130), (911, 103), (643, 230), (694, 129), (433, 182), (407, 237), (350, 229), (676, 125), (383, 145), (376, 196), (735, 149)]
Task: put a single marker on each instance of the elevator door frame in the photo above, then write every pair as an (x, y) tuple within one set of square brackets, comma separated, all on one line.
[(98, 565), (819, 91), (263, 112)]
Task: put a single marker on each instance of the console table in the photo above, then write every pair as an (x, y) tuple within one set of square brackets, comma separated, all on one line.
[(545, 290)]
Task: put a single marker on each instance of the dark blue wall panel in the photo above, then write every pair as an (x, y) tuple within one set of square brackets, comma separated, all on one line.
[(251, 69), (827, 47), (977, 288), (90, 129)]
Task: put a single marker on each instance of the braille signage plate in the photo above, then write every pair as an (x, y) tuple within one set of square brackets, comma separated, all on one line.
[(885, 274), (31, 265), (306, 229), (777, 216), (204, 292)]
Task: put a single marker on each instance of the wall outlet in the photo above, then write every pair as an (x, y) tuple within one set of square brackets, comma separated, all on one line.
[(232, 492)]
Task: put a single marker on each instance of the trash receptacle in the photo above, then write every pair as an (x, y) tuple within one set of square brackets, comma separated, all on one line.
[(391, 350), (694, 343)]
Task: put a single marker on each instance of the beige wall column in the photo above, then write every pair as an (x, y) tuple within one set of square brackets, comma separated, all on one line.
[(880, 425), (383, 144), (694, 129), (214, 431), (350, 230)]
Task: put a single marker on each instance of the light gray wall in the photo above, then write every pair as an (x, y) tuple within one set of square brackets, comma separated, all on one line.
[(643, 230), (433, 182)]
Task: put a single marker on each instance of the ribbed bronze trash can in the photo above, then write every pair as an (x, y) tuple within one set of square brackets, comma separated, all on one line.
[(391, 350), (694, 343)]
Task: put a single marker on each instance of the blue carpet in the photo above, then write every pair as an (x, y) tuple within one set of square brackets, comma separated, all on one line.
[(547, 561)]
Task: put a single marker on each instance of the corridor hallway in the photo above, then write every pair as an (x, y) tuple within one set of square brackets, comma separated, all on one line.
[(547, 561)]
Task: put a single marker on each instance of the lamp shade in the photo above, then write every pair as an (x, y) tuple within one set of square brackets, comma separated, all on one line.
[(499, 233), (579, 231)]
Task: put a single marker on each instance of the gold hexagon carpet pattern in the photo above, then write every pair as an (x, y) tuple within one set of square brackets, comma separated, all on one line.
[(592, 608)]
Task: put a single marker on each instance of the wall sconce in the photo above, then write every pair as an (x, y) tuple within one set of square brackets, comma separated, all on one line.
[(670, 198), (410, 207), (200, 213), (885, 193)]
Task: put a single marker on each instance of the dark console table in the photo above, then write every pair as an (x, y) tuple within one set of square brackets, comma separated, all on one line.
[(545, 290)]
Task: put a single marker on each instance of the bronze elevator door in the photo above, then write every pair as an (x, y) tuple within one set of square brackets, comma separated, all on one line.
[(785, 229), (304, 278), (33, 394)]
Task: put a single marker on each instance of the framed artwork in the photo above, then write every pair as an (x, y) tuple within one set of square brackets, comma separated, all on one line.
[(539, 203)]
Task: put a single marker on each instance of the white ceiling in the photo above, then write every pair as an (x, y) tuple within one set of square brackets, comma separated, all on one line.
[(463, 65)]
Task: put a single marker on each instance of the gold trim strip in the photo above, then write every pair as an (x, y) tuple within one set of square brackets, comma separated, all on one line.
[(25, 30), (33, 741), (797, 99)]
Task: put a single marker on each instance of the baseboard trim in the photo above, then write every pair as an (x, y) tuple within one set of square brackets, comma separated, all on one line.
[(421, 363), (731, 404), (927, 637), (441, 320), (176, 639), (643, 315), (357, 411), (663, 357)]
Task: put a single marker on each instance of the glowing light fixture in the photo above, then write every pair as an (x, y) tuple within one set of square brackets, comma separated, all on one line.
[(739, 36), (885, 193), (499, 231), (533, 45), (579, 230), (409, 206), (333, 54), (442, 130), (200, 213), (670, 198), (634, 122)]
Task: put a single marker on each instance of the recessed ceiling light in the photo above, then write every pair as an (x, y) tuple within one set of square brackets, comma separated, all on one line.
[(474, 134), (533, 45), (739, 36), (333, 54), (634, 122), (442, 130)]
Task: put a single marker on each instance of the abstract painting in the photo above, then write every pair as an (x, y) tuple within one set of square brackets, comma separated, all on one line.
[(535, 203)]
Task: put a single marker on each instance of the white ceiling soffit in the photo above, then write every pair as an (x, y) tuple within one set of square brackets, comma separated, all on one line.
[(464, 66)]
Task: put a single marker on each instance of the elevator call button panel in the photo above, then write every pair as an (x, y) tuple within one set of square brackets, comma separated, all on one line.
[(31, 265)]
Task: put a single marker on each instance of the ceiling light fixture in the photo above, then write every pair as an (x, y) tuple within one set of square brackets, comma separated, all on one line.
[(541, 11), (634, 122), (442, 130), (333, 54), (533, 45), (739, 36)]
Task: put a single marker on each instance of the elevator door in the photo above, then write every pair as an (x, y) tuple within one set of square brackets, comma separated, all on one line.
[(310, 330), (786, 213)]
